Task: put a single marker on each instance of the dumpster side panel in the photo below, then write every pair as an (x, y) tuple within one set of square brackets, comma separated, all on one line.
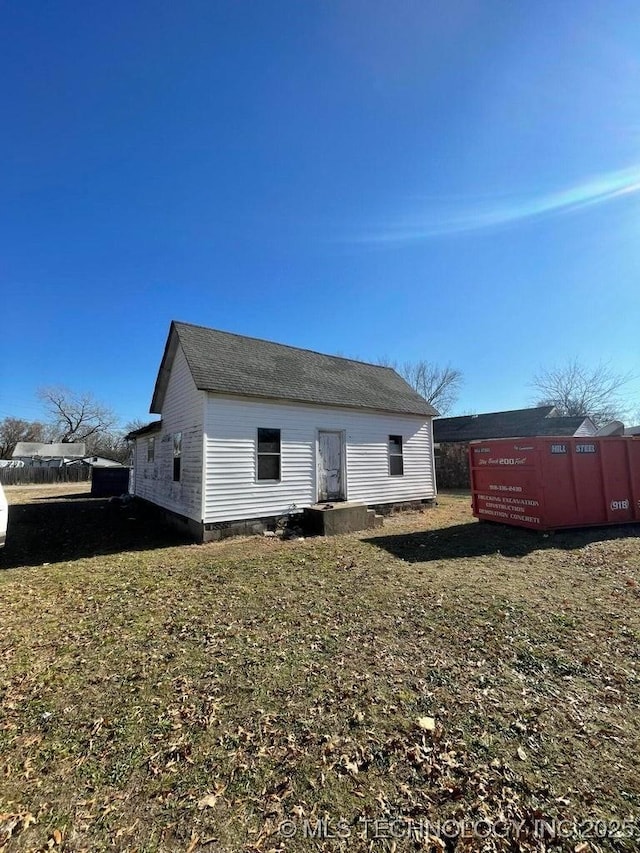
[(576, 482), (633, 450), (558, 482), (590, 473), (505, 483), (618, 490)]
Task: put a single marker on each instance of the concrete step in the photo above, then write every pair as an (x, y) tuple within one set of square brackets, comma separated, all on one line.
[(373, 519), (334, 518)]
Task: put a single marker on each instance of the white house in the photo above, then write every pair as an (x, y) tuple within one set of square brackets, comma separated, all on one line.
[(251, 430)]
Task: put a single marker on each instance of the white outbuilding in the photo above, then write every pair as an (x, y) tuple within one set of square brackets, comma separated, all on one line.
[(252, 430)]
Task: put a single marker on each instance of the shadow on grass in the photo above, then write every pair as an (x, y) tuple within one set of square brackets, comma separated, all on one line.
[(52, 530), (75, 496), (479, 540)]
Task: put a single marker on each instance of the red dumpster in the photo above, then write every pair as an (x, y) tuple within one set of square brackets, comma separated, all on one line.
[(548, 483)]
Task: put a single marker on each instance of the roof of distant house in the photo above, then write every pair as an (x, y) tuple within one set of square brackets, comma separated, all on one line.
[(563, 424), (515, 423), (227, 363), (49, 451)]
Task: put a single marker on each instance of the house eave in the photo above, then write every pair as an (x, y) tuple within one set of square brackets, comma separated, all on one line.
[(148, 429), (162, 380)]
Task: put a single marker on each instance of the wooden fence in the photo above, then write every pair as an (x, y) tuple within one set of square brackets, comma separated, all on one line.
[(27, 475)]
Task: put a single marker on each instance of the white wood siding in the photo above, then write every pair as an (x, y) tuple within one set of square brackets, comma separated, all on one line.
[(232, 492), (183, 411)]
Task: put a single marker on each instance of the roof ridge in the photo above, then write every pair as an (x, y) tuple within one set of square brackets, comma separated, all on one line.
[(278, 344)]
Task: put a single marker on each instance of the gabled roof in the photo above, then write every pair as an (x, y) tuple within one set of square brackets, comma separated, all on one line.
[(565, 425), (227, 363), (50, 451), (513, 424)]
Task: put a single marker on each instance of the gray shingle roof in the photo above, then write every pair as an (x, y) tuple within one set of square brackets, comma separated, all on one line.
[(512, 424), (234, 364)]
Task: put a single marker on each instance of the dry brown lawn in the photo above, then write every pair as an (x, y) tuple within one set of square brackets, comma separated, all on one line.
[(161, 696)]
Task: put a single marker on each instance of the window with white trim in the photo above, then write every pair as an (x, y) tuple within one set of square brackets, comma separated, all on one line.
[(396, 460), (268, 454)]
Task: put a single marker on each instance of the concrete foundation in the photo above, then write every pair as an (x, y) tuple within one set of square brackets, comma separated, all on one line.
[(245, 527), (404, 506), (326, 519), (188, 526)]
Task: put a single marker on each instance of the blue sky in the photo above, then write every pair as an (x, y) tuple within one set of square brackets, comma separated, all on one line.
[(457, 181)]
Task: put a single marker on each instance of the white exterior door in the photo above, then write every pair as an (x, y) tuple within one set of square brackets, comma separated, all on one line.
[(330, 485)]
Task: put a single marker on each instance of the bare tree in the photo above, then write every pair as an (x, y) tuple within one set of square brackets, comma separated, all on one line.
[(13, 430), (77, 417), (113, 444), (439, 385), (575, 389), (136, 423)]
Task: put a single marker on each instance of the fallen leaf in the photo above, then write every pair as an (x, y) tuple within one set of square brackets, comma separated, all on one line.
[(522, 755), (208, 801), (193, 843), (427, 723)]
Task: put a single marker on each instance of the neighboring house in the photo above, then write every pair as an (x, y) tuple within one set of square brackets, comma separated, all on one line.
[(452, 436), (251, 430), (40, 455)]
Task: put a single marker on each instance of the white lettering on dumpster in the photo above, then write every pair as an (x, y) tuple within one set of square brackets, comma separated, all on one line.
[(620, 504), (503, 499)]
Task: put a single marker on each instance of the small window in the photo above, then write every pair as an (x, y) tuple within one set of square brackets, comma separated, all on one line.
[(396, 462), (151, 448), (177, 455), (268, 454)]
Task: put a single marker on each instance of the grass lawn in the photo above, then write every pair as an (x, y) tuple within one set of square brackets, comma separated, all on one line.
[(161, 696)]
